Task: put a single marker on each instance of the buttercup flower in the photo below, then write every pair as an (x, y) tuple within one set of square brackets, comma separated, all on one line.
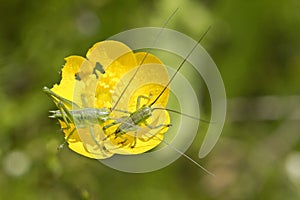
[(98, 81)]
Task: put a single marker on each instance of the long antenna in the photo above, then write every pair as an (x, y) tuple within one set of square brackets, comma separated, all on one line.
[(136, 71), (186, 115), (182, 63), (184, 155)]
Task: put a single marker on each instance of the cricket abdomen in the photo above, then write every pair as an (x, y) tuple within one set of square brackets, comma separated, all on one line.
[(84, 116)]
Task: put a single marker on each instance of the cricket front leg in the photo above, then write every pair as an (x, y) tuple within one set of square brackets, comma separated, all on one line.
[(162, 126)]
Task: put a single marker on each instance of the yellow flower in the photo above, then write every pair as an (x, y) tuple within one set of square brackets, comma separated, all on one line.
[(98, 82)]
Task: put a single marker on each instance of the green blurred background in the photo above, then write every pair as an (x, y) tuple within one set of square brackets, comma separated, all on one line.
[(256, 47)]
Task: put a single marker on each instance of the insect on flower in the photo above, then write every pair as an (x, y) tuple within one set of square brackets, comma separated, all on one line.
[(113, 102), (84, 95)]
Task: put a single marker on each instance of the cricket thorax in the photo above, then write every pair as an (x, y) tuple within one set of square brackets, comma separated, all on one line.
[(131, 122), (141, 114)]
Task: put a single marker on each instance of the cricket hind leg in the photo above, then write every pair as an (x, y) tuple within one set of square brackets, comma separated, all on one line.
[(162, 126), (135, 136), (67, 119), (56, 98)]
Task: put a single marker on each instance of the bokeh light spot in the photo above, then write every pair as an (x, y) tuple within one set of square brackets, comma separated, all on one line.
[(16, 163)]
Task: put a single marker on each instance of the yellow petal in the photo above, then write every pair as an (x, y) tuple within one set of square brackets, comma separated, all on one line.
[(151, 72), (67, 84), (116, 59), (150, 81), (109, 51)]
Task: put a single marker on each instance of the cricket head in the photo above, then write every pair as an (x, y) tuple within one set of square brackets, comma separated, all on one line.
[(102, 114)]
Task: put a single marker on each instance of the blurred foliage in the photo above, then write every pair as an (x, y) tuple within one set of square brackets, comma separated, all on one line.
[(256, 46)]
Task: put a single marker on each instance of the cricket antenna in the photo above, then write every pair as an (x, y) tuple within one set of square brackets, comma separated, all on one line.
[(186, 115), (181, 64), (143, 60), (186, 156)]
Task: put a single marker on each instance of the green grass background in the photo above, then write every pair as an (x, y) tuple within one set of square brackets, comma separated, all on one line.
[(256, 47)]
